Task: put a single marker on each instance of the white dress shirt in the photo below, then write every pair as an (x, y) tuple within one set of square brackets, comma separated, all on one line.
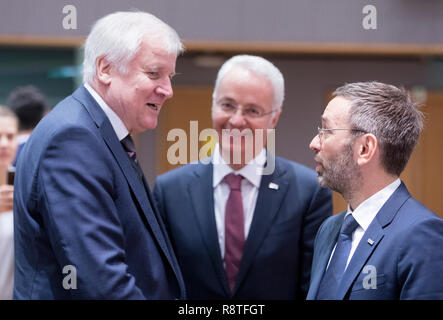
[(249, 189), (117, 124), (366, 212)]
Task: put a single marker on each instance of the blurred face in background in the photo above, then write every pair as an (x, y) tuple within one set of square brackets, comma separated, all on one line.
[(8, 140)]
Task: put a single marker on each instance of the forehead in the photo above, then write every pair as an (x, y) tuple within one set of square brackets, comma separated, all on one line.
[(337, 112), (8, 124), (153, 54), (241, 84)]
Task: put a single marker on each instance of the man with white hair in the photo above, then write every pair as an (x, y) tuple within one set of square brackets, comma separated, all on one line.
[(243, 224), (85, 223)]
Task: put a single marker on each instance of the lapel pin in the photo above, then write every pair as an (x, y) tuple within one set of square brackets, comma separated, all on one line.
[(272, 185), (370, 241)]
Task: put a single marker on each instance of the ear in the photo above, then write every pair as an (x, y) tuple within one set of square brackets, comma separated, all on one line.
[(367, 148), (103, 69), (275, 119)]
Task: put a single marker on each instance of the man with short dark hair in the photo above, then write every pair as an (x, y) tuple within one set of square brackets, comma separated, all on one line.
[(386, 245), (29, 104)]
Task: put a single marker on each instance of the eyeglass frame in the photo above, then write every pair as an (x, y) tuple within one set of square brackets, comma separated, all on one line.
[(320, 131), (235, 109)]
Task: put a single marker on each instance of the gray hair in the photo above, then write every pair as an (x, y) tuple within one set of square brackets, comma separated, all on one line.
[(118, 37), (259, 66), (390, 114)]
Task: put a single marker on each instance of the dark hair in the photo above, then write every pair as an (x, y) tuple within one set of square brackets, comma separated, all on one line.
[(29, 104), (390, 114)]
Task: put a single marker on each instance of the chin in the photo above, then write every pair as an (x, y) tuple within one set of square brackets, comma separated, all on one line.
[(4, 164), (149, 125)]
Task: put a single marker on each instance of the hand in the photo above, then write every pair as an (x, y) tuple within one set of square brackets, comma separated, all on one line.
[(6, 198)]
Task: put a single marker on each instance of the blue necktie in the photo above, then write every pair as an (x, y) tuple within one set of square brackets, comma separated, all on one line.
[(332, 277)]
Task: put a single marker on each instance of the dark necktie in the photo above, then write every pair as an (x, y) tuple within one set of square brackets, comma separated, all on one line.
[(129, 146), (333, 275), (234, 228)]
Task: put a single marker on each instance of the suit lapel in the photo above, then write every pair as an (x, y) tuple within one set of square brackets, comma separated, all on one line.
[(201, 193), (137, 187), (269, 201), (323, 252), (372, 238), (172, 258), (361, 255)]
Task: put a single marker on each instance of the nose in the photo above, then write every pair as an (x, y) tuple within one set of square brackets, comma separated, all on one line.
[(165, 89), (237, 119), (315, 143), (3, 141)]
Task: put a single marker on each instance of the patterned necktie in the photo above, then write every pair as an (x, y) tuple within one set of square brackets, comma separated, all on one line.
[(332, 277), (234, 228), (129, 146)]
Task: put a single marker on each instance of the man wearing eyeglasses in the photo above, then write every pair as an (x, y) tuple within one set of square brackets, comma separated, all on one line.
[(240, 232), (386, 245)]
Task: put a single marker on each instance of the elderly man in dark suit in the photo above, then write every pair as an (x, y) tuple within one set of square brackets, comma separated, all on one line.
[(85, 223), (243, 225)]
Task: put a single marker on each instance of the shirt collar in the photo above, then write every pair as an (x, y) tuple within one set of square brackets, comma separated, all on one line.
[(249, 171), (368, 209), (117, 124)]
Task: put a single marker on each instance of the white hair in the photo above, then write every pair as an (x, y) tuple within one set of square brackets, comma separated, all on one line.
[(118, 37), (257, 65)]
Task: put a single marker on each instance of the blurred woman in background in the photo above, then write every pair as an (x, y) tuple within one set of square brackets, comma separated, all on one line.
[(8, 147)]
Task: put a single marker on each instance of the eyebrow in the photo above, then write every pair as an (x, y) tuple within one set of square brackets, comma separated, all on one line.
[(155, 68), (226, 99)]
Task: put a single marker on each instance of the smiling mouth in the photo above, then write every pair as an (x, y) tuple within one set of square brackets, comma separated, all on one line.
[(153, 106)]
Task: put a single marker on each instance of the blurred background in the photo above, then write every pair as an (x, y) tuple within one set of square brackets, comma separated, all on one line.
[(317, 44)]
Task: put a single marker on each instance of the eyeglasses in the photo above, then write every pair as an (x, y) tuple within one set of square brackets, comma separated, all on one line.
[(248, 112), (322, 131)]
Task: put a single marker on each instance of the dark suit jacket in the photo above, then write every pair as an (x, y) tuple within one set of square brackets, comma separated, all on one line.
[(278, 251), (399, 257), (79, 202)]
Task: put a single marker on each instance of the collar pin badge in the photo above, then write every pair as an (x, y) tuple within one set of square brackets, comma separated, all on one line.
[(370, 241), (272, 185)]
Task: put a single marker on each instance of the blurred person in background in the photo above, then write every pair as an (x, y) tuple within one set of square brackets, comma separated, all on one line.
[(8, 147), (29, 104)]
